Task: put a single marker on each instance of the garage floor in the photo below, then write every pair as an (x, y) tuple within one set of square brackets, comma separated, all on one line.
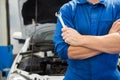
[(2, 78)]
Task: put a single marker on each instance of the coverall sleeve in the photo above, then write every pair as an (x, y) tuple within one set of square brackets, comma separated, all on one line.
[(118, 10), (61, 47)]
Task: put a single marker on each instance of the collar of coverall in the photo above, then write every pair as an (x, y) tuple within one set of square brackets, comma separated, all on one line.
[(103, 2)]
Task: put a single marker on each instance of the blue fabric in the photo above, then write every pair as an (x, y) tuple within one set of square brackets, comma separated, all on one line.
[(6, 57), (89, 19)]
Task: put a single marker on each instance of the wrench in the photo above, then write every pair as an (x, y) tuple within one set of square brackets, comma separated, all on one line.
[(59, 15)]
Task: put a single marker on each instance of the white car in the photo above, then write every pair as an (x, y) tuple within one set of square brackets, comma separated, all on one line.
[(37, 59)]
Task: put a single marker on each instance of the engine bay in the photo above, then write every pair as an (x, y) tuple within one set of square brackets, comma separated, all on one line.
[(47, 63)]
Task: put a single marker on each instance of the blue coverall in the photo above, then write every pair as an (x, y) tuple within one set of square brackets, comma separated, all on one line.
[(89, 19)]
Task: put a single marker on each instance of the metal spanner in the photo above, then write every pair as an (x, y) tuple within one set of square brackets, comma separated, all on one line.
[(59, 15)]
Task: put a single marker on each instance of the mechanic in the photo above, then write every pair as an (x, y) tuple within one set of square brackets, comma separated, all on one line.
[(90, 42)]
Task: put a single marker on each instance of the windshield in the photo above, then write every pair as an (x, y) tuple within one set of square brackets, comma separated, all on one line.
[(44, 36)]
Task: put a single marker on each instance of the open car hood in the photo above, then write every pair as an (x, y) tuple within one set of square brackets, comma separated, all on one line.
[(42, 11)]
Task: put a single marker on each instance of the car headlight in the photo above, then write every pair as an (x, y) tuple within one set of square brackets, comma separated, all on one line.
[(16, 76)]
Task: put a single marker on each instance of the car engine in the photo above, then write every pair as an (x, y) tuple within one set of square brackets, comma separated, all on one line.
[(48, 64)]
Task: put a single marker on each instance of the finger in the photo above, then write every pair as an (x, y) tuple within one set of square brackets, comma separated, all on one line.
[(66, 37), (118, 26), (65, 29), (65, 26), (67, 41), (116, 22), (64, 33), (115, 25)]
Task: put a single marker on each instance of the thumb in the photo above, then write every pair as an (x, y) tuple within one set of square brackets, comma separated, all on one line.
[(65, 28)]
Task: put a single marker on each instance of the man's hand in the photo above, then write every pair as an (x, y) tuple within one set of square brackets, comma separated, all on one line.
[(71, 36), (75, 51), (115, 27)]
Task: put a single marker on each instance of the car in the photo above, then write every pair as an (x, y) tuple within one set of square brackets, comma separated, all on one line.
[(37, 59)]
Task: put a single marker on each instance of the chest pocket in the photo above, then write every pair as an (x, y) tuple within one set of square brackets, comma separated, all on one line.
[(105, 23)]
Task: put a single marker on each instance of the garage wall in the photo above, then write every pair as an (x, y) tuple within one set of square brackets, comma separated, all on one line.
[(3, 24)]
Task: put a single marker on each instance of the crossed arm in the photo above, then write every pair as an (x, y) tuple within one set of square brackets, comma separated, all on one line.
[(85, 46)]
